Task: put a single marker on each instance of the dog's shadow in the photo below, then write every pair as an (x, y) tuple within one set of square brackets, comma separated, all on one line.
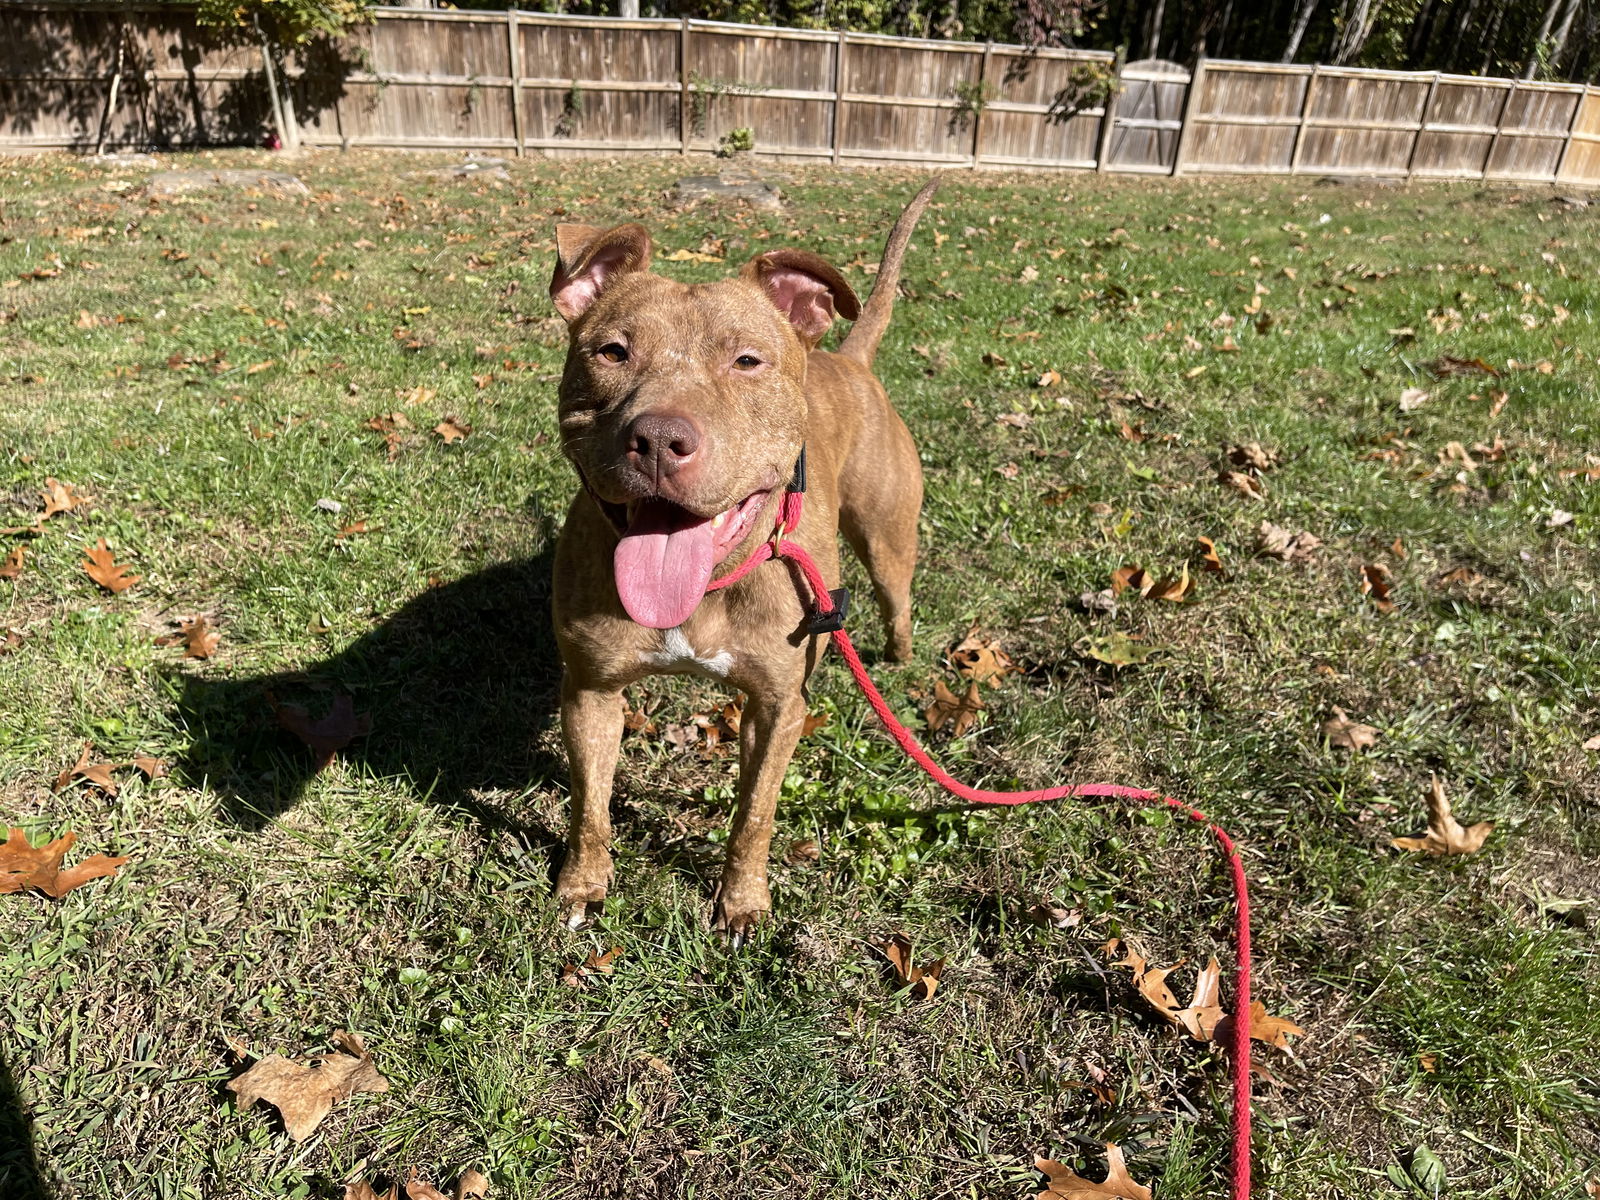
[(460, 684)]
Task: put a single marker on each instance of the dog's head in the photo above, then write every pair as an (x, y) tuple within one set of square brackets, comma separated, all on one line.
[(683, 405)]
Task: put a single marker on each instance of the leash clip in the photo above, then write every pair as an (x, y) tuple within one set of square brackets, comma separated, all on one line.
[(833, 620)]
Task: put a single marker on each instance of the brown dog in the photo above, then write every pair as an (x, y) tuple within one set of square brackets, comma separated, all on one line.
[(685, 409)]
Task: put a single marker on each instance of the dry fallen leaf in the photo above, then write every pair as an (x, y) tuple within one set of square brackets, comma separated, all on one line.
[(1210, 559), (1593, 743), (1375, 583), (23, 865), (946, 709), (923, 980), (329, 734), (1412, 398), (362, 1190), (577, 974), (11, 568), (200, 639), (452, 429), (59, 497), (99, 565), (1344, 734), (984, 661), (98, 774), (1274, 541), (304, 1093), (1274, 1031), (1445, 834), (1246, 485), (1251, 456), (1067, 1185), (1176, 590)]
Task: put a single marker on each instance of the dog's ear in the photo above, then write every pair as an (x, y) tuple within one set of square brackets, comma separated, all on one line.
[(587, 258), (805, 288)]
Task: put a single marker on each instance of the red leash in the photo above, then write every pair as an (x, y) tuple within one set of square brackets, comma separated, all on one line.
[(822, 604)]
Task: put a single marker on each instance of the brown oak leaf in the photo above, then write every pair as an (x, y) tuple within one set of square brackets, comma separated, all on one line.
[(59, 497), (305, 1093), (981, 660), (1246, 485), (1065, 1184), (23, 865), (1344, 734), (200, 638), (958, 713), (452, 429), (1445, 834), (923, 980), (1274, 541), (101, 567), (577, 974), (98, 774), (11, 567)]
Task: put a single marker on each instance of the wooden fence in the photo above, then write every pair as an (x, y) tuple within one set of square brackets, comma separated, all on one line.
[(527, 83)]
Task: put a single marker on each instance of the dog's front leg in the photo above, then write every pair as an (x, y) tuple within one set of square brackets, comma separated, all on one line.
[(591, 727), (768, 732)]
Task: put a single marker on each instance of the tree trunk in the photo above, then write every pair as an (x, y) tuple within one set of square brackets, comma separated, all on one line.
[(1540, 38), (1152, 36), (1463, 37), (1302, 19), (1558, 46), (1421, 33), (628, 8), (1354, 35), (1490, 37)]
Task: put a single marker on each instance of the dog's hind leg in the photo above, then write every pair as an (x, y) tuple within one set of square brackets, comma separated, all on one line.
[(880, 503)]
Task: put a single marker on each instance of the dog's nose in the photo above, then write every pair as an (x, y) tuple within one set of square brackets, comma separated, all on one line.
[(662, 444)]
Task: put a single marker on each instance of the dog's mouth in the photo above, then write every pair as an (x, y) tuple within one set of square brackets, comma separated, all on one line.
[(666, 554)]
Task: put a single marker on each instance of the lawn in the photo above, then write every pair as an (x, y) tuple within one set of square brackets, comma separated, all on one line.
[(219, 375)]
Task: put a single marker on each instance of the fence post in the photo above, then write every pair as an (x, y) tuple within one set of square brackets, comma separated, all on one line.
[(1572, 126), (1191, 111), (838, 97), (1499, 124), (1305, 111), (683, 87), (1422, 123), (983, 103), (514, 43), (1108, 116)]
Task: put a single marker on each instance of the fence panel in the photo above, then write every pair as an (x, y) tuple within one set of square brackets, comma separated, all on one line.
[(1245, 118), (1582, 162), (1533, 131), (1359, 122), (1037, 109), (556, 84), (779, 86)]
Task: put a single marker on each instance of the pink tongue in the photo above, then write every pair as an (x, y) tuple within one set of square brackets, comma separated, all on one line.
[(663, 564)]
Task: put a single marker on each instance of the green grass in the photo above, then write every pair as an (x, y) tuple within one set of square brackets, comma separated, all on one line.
[(405, 891)]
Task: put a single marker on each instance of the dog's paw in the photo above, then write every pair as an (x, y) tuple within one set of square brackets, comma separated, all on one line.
[(580, 896), (738, 914)]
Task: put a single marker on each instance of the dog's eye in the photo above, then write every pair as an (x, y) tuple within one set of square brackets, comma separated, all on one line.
[(747, 362), (613, 352)]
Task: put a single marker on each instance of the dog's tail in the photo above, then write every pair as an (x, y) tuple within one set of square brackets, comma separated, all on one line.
[(862, 341)]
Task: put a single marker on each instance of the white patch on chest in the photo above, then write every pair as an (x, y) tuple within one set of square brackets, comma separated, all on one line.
[(676, 654)]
